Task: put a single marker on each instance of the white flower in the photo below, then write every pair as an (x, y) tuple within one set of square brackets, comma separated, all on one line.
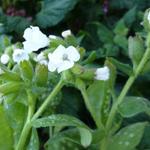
[(63, 58), (20, 55), (148, 17), (4, 59), (102, 73), (52, 37), (35, 39), (66, 33)]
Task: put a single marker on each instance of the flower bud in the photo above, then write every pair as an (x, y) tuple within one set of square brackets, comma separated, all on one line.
[(5, 59), (41, 75)]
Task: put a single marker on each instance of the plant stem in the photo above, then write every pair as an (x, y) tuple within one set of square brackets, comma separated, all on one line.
[(31, 117), (126, 88), (26, 128), (48, 99)]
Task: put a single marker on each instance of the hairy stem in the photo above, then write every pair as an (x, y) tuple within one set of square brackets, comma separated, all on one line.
[(27, 127), (127, 87)]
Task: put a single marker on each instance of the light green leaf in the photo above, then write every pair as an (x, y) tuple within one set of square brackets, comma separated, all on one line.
[(53, 11), (99, 96), (26, 70), (86, 137), (65, 120), (34, 141), (6, 138), (127, 138), (121, 28), (132, 106), (136, 50), (16, 114)]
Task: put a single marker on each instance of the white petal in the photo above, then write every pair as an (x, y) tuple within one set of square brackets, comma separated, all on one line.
[(5, 59), (65, 66), (148, 17), (66, 33), (27, 33), (102, 73), (20, 55), (73, 53), (59, 51), (52, 37), (51, 67), (35, 39)]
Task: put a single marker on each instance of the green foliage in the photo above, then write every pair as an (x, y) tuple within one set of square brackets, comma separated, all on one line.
[(6, 140), (133, 105), (53, 11), (64, 120), (128, 137)]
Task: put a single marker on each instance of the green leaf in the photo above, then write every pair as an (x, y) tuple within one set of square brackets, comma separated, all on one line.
[(136, 50), (65, 120), (10, 87), (6, 138), (132, 106), (26, 70), (99, 96), (34, 141), (130, 16), (121, 28), (122, 42), (104, 34), (127, 138), (68, 139), (53, 11), (125, 68), (86, 137), (41, 75), (16, 114)]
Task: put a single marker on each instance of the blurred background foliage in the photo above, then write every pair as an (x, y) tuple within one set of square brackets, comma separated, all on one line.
[(101, 26)]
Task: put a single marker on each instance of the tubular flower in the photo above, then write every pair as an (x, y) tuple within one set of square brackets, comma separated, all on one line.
[(35, 39), (102, 73)]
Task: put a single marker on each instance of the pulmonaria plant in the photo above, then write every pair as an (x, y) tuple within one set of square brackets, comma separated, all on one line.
[(29, 91)]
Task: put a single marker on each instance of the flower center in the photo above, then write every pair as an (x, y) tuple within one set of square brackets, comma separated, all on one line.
[(65, 57)]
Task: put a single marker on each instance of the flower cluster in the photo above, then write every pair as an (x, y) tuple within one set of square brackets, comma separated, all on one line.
[(60, 59)]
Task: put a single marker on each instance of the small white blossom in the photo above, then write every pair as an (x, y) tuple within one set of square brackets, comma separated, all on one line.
[(148, 17), (5, 59), (20, 55), (35, 39), (66, 33), (102, 73), (63, 58), (52, 37)]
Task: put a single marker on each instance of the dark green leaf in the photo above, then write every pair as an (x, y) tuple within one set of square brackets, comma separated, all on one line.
[(53, 11), (65, 120)]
